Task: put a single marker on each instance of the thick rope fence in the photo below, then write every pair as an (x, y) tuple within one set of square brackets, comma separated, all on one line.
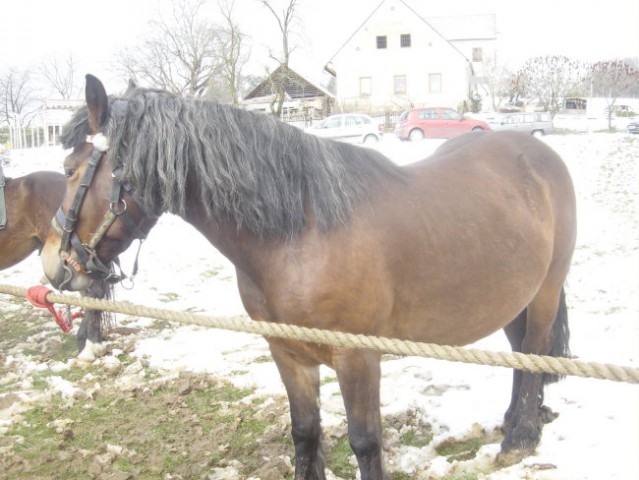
[(527, 362)]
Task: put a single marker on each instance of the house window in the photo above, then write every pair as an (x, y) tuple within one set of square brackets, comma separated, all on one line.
[(399, 84), (404, 40), (478, 55), (381, 41), (365, 86), (435, 83)]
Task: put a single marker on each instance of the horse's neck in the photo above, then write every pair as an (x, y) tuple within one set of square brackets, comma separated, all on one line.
[(235, 244)]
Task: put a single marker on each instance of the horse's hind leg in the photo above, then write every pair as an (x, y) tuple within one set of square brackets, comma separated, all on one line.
[(545, 333), (358, 373), (515, 332), (301, 380)]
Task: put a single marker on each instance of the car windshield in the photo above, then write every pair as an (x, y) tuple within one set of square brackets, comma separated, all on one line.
[(331, 122)]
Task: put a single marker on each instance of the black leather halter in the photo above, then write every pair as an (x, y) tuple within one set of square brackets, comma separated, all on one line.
[(65, 224)]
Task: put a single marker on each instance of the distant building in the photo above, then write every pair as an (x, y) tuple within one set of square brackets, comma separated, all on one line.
[(399, 58), (50, 119), (304, 100)]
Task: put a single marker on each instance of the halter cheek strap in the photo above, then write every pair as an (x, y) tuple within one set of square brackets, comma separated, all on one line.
[(86, 253)]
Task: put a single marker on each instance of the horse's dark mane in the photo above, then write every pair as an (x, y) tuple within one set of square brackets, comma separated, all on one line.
[(263, 174)]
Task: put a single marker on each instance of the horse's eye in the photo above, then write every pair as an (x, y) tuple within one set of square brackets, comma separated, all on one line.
[(68, 172)]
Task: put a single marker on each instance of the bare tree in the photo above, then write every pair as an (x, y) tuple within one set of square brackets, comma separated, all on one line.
[(60, 74), (612, 79), (286, 20), (181, 53), (232, 55), (551, 79), (18, 103), (497, 82)]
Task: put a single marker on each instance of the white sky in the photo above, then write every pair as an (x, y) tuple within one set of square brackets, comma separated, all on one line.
[(93, 31)]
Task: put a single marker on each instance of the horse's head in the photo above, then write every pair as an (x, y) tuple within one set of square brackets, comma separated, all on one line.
[(98, 218)]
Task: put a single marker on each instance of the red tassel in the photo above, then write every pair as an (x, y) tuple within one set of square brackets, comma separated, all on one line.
[(37, 295)]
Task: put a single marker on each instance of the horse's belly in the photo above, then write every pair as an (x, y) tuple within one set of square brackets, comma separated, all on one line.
[(468, 295)]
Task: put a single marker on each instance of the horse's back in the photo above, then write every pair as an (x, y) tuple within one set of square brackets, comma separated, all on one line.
[(31, 202)]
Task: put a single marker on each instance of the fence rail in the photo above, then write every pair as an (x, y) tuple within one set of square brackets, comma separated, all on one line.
[(532, 363)]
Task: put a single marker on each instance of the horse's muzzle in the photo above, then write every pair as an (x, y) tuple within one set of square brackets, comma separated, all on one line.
[(63, 274)]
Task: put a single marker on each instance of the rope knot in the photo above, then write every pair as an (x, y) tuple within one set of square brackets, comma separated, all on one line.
[(37, 295)]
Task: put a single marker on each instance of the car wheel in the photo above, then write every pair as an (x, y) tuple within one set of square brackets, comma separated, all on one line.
[(478, 129), (416, 135), (537, 133), (370, 139)]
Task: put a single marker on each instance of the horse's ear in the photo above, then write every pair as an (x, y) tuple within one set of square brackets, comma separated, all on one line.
[(131, 87), (97, 103)]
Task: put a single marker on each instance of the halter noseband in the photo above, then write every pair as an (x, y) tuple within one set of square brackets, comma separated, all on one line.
[(65, 225)]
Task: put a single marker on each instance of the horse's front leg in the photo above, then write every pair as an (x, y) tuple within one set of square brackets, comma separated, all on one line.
[(301, 380), (358, 373)]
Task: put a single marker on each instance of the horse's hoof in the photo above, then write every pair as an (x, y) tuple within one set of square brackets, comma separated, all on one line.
[(523, 437), (506, 459), (91, 351)]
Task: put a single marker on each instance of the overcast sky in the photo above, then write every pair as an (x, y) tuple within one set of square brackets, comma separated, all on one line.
[(93, 31)]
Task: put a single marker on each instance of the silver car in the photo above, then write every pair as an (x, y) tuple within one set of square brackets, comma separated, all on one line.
[(534, 123), (348, 127)]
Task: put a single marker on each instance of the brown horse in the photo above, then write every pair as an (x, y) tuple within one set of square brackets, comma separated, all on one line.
[(30, 203), (476, 238)]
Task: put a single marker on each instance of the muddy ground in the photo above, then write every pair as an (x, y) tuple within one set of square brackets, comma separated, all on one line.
[(115, 418)]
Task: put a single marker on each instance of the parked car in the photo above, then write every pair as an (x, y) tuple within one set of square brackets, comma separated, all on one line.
[(535, 123), (633, 125), (348, 127), (435, 122)]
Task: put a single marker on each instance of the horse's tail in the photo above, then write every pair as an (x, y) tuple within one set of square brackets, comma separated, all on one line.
[(561, 337)]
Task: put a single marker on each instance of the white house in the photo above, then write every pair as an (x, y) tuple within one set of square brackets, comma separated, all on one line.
[(50, 119), (399, 57)]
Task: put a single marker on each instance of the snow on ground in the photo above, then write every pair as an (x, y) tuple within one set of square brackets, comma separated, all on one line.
[(597, 433)]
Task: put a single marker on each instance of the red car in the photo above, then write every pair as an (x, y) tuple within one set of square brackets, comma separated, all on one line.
[(434, 122)]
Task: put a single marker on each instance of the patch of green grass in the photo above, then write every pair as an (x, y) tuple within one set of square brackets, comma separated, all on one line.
[(167, 430), (264, 359), (328, 379), (412, 438), (228, 393), (400, 476), (168, 297), (212, 272), (460, 449), (339, 459), (463, 476), (68, 348)]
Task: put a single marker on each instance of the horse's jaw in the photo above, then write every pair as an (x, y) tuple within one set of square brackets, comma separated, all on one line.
[(59, 273)]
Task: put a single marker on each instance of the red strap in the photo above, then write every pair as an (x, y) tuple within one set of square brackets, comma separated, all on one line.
[(37, 295)]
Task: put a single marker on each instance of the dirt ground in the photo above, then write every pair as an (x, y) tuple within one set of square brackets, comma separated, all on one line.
[(115, 418)]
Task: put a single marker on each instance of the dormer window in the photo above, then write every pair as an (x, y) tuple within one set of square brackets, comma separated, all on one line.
[(404, 40), (381, 41)]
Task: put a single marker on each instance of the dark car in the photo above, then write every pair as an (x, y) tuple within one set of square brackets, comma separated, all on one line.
[(435, 122), (633, 126)]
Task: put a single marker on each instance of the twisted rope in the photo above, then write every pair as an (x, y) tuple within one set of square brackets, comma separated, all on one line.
[(532, 363)]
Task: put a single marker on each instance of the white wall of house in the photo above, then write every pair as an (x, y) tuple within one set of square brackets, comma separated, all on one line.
[(430, 71)]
